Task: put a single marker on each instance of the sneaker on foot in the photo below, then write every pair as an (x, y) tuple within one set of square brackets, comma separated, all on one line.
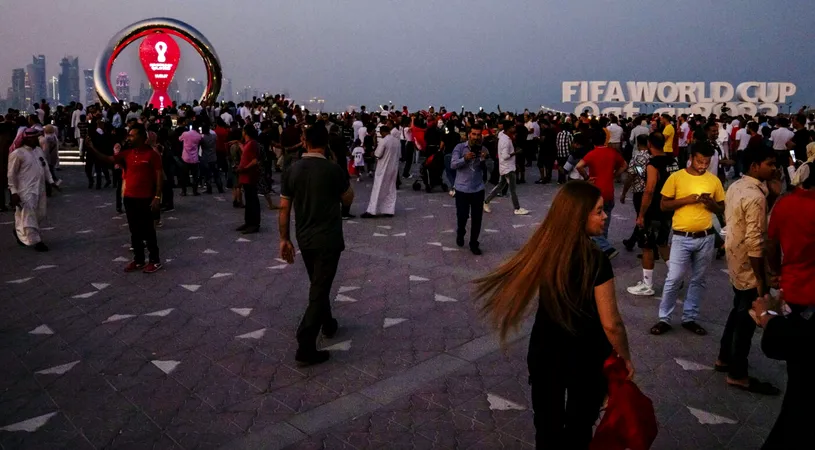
[(134, 266), (641, 289), (521, 212), (152, 268), (460, 241), (487, 208), (310, 358), (612, 253)]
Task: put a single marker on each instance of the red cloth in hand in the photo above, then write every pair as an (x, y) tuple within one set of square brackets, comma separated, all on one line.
[(629, 421)]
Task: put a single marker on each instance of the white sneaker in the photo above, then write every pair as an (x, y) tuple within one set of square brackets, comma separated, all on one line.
[(641, 289), (452, 192), (521, 212), (487, 208)]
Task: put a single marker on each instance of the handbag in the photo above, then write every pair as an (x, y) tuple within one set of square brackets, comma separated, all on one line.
[(629, 421)]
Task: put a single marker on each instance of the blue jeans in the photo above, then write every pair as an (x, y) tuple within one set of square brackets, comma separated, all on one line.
[(602, 241), (698, 254)]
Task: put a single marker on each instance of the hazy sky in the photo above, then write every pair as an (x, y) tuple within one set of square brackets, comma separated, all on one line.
[(452, 52)]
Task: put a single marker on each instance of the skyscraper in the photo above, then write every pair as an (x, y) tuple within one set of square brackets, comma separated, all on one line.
[(37, 78), (69, 80), (29, 94), (123, 87), (17, 97), (90, 90), (195, 90), (53, 90), (230, 94), (144, 94)]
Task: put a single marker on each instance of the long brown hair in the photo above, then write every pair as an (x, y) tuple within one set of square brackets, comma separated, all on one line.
[(558, 263)]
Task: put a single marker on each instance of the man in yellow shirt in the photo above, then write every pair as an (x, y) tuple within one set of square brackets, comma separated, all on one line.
[(694, 195), (668, 131)]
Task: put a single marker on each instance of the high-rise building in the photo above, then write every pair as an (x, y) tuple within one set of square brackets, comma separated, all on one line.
[(90, 89), (29, 92), (69, 80), (53, 90), (144, 94), (123, 87), (37, 78), (17, 97), (195, 90), (230, 94), (174, 91)]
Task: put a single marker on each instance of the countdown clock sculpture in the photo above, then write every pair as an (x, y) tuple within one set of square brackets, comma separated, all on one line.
[(159, 55)]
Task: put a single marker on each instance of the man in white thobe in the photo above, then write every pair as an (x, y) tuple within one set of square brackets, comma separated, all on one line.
[(383, 194), (28, 174)]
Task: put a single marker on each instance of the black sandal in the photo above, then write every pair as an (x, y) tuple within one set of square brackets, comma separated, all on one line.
[(694, 328), (757, 387), (661, 328)]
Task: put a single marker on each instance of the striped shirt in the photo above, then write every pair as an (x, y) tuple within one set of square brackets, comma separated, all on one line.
[(564, 144)]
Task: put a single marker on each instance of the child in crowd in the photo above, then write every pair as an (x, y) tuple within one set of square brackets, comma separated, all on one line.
[(359, 159)]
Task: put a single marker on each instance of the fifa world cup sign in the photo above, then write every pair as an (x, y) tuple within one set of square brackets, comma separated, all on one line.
[(750, 97), (159, 54)]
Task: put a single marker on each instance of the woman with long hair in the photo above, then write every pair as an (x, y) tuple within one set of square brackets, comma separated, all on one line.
[(577, 325)]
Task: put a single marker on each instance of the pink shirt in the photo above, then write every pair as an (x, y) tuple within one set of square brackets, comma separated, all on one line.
[(191, 139)]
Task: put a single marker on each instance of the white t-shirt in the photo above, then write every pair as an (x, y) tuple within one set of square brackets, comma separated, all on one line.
[(506, 163), (361, 134), (227, 118), (357, 125), (683, 135), (743, 138), (358, 153), (780, 137), (615, 133), (534, 130)]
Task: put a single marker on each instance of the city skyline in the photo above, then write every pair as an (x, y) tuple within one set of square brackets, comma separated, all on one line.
[(474, 53)]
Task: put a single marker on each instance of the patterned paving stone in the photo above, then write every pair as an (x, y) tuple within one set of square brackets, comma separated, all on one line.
[(81, 338)]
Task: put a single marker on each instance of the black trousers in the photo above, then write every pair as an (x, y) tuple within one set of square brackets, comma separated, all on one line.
[(211, 171), (167, 200), (140, 221), (189, 169), (322, 267), (251, 214), (408, 151), (468, 204), (561, 422), (91, 166), (117, 184), (635, 235), (561, 174), (738, 334)]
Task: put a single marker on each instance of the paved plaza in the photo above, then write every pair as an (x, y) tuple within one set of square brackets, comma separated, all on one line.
[(201, 354)]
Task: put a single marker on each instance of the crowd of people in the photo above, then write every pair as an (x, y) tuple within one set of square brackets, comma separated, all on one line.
[(676, 167)]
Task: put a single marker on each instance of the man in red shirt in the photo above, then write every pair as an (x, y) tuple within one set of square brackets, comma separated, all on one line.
[(604, 164), (791, 232), (222, 148), (248, 174), (141, 195)]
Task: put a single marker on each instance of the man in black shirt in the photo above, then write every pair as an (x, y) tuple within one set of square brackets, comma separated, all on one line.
[(800, 140), (317, 189), (655, 223)]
